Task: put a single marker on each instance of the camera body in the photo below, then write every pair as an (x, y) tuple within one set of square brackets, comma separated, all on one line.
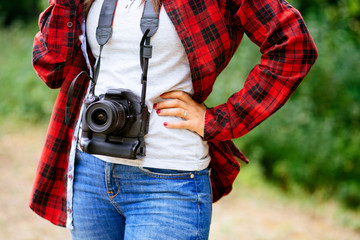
[(114, 124)]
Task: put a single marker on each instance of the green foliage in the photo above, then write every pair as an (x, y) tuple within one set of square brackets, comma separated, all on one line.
[(20, 10), (337, 14), (23, 96)]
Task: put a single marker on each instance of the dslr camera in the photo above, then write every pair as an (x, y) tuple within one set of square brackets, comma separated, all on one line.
[(114, 124)]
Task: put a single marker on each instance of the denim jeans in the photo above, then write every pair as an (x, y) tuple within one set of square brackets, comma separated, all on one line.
[(113, 201)]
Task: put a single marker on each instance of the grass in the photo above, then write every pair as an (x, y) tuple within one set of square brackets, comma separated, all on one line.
[(318, 203)]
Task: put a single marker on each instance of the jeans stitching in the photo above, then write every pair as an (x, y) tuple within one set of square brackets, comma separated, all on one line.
[(117, 183), (111, 198), (164, 176), (199, 209), (116, 206)]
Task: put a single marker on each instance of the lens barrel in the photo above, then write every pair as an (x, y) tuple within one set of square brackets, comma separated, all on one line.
[(105, 116)]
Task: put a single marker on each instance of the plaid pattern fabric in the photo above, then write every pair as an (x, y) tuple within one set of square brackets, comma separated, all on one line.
[(210, 32), (57, 58)]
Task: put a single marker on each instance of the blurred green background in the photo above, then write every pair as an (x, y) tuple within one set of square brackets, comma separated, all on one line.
[(312, 143)]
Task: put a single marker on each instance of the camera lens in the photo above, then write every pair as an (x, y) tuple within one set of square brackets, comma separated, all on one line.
[(105, 117), (99, 117)]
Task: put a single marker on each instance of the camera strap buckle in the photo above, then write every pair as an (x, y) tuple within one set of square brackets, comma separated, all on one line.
[(147, 51)]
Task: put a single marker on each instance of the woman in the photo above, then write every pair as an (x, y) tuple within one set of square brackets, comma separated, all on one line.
[(167, 191)]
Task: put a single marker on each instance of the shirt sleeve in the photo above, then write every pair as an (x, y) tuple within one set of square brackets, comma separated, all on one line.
[(57, 41), (288, 52)]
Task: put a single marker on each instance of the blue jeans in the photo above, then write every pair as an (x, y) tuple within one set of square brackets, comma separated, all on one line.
[(113, 201)]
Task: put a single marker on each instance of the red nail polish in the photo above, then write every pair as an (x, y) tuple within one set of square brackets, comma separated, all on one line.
[(165, 124), (155, 105), (158, 111)]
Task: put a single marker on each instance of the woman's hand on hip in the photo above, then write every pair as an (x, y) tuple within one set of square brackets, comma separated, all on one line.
[(180, 104)]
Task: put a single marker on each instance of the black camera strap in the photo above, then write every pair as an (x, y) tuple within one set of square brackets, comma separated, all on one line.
[(103, 34), (149, 24)]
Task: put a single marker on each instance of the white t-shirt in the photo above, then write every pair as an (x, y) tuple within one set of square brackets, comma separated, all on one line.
[(169, 70)]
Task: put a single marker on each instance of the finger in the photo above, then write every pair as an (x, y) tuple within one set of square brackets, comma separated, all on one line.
[(179, 125), (176, 94), (176, 112), (172, 103)]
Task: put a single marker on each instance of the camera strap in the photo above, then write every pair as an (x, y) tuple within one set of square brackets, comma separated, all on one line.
[(103, 34), (149, 24)]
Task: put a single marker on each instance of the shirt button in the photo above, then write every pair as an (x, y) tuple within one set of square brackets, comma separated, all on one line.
[(69, 24)]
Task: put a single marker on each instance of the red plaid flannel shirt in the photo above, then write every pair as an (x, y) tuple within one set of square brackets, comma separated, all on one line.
[(210, 32)]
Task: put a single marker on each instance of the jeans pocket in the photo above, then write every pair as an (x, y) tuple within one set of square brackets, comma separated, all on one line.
[(166, 173)]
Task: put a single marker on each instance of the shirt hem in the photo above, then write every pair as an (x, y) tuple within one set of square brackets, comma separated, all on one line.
[(171, 164)]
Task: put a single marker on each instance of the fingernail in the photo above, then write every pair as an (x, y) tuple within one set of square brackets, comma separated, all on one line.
[(165, 124), (158, 111), (155, 105)]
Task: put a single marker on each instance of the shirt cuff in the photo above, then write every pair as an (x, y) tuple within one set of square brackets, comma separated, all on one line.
[(216, 124)]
